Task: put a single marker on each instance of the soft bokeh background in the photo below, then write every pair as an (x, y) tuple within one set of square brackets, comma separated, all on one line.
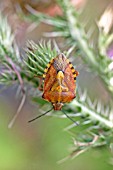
[(40, 145)]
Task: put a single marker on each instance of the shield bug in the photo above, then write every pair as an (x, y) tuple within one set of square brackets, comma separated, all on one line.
[(59, 82)]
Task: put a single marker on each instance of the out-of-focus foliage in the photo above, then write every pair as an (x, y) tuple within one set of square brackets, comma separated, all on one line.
[(95, 120)]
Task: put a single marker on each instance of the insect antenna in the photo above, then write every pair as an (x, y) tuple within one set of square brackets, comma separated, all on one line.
[(40, 115), (70, 118)]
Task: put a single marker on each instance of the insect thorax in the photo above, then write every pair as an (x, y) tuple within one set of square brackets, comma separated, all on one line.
[(60, 62)]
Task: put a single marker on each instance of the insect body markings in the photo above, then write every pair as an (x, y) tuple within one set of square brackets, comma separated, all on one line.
[(59, 82)]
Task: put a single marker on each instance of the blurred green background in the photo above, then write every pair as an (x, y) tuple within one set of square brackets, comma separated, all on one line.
[(40, 145)]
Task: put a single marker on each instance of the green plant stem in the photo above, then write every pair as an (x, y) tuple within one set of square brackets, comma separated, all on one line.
[(88, 55), (92, 114), (77, 33)]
